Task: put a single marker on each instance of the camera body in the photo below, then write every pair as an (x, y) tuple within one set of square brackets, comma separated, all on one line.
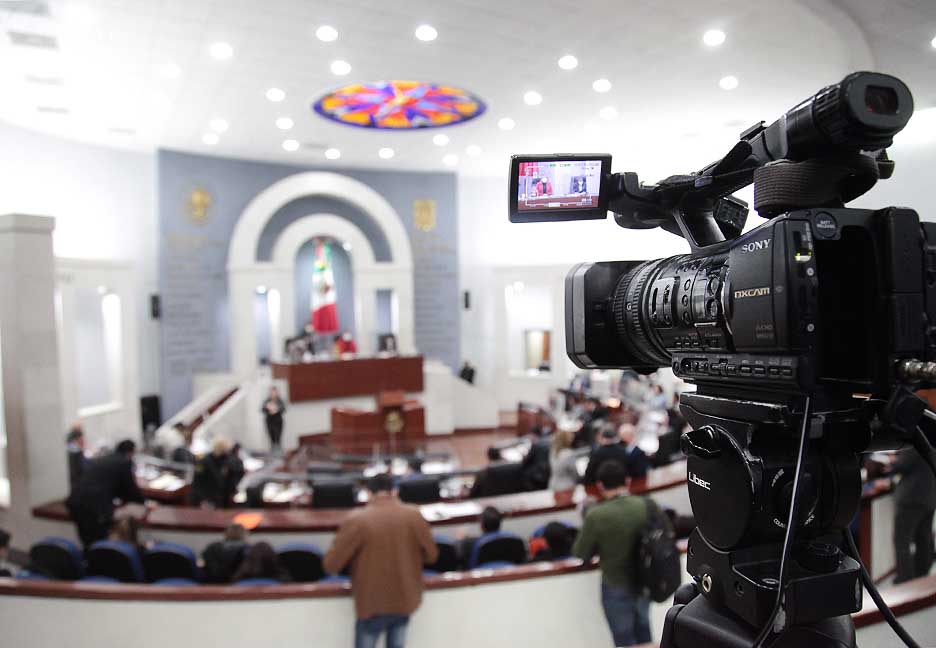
[(815, 297)]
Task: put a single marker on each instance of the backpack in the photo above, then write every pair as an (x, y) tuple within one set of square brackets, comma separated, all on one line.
[(658, 567)]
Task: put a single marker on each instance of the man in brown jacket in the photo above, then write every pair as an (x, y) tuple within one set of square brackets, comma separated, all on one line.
[(387, 543)]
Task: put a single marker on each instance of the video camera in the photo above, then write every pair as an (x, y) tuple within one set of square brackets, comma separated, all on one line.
[(780, 327)]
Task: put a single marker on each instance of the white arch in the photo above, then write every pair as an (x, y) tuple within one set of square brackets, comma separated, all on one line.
[(245, 272), (307, 228), (246, 238)]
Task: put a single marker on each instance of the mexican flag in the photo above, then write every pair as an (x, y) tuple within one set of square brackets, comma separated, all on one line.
[(324, 310)]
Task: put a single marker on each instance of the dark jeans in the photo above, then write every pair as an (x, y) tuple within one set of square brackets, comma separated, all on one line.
[(628, 615), (914, 525), (368, 631)]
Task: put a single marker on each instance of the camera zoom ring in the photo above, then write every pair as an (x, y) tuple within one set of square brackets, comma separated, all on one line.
[(627, 311)]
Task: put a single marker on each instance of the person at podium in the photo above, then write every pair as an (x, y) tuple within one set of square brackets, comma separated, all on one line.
[(272, 410), (344, 345)]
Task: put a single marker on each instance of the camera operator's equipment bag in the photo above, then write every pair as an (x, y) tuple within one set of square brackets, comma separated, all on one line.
[(658, 568)]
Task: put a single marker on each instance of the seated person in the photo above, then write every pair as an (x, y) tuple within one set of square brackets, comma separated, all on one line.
[(542, 187), (535, 466), (127, 529), (592, 416), (555, 544), (222, 558), (261, 561), (467, 373), (544, 425), (637, 461), (6, 569), (609, 448), (183, 454), (75, 444), (344, 344), (479, 488), (563, 471), (491, 520), (211, 482)]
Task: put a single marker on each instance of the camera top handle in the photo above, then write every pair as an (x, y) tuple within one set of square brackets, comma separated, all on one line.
[(815, 155)]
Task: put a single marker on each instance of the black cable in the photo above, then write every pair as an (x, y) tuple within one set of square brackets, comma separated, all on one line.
[(790, 530), (869, 585)]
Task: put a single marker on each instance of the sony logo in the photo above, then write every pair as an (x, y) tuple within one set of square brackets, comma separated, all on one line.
[(752, 292), (755, 246), (698, 481)]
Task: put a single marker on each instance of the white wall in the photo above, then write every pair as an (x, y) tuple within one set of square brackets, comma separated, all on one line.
[(104, 205)]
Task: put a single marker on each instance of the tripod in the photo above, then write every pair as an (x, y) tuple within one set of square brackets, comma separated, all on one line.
[(747, 482)]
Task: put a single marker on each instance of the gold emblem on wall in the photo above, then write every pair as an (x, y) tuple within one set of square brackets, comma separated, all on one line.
[(198, 204), (394, 422), (424, 214)]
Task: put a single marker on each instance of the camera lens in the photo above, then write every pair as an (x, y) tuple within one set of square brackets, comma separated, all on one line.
[(635, 309), (881, 100)]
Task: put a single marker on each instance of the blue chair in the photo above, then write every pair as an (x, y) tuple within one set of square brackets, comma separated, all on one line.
[(57, 558), (107, 580), (176, 582), (254, 582), (498, 547), (25, 574), (115, 559), (170, 560), (448, 555), (495, 564), (303, 561)]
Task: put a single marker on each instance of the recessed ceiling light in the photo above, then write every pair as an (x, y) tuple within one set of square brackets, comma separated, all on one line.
[(608, 112), (169, 71), (728, 82), (275, 94), (284, 123), (601, 85), (568, 62), (473, 150), (332, 153), (210, 138), (326, 33), (221, 51), (340, 68), (218, 125), (506, 123), (933, 42), (440, 139), (449, 159), (385, 153), (290, 145), (713, 37), (532, 98), (426, 33)]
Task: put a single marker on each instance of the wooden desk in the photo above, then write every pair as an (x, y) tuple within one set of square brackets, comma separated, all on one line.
[(359, 377), (354, 430)]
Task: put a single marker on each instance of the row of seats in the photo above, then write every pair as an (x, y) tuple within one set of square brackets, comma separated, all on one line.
[(168, 563)]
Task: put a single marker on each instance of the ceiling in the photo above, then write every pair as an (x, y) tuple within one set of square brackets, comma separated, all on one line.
[(95, 71)]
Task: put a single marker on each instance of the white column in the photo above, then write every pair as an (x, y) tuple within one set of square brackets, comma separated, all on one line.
[(30, 370)]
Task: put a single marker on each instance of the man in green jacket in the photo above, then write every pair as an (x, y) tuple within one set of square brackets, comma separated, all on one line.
[(610, 531)]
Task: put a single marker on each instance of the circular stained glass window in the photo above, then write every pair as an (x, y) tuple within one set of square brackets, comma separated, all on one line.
[(399, 105)]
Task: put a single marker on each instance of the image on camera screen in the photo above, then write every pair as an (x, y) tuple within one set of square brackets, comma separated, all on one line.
[(560, 184)]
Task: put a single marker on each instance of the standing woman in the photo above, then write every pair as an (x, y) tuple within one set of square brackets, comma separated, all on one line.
[(273, 409), (564, 475)]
